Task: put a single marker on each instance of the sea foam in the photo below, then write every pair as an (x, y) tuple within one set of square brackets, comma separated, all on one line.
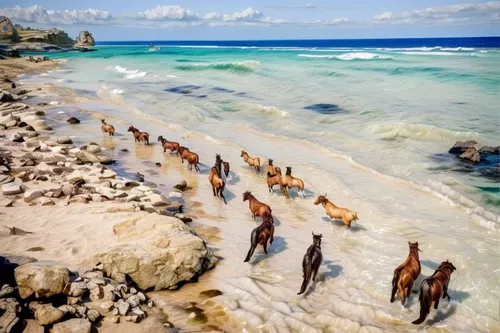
[(350, 56)]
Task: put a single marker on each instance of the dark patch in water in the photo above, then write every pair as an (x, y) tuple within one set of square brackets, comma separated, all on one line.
[(200, 96), (219, 89), (186, 60), (183, 90), (211, 293), (242, 94), (489, 189), (460, 103), (488, 168), (324, 108)]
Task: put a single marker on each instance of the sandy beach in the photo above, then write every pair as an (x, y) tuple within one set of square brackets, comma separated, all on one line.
[(353, 287)]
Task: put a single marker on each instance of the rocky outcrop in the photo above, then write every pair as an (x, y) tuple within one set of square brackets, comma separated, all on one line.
[(471, 154), (7, 29), (167, 253), (41, 278), (53, 36), (85, 39), (461, 146)]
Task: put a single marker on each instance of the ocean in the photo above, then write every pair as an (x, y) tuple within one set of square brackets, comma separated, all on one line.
[(369, 122)]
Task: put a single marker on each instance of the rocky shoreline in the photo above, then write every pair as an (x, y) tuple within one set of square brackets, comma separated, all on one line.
[(150, 246)]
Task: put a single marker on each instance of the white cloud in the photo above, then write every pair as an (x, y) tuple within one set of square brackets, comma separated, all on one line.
[(248, 14), (37, 14), (460, 13), (168, 13)]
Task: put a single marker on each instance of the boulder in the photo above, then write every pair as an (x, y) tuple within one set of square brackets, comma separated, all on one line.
[(93, 149), (84, 39), (156, 200), (167, 253), (63, 140), (16, 137), (9, 307), (460, 146), (33, 327), (32, 194), (486, 150), (73, 120), (93, 315), (87, 157), (72, 326), (47, 314), (46, 201), (42, 278), (471, 154), (76, 289), (11, 189)]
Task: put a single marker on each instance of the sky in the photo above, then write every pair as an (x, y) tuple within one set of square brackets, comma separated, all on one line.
[(118, 20)]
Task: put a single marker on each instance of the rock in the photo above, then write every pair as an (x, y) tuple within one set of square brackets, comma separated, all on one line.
[(11, 189), (16, 137), (30, 128), (32, 194), (134, 301), (486, 150), (63, 140), (47, 314), (168, 252), (6, 203), (142, 297), (107, 174), (67, 309), (68, 189), (76, 289), (93, 149), (133, 291), (93, 315), (150, 304), (87, 157), (123, 308), (156, 200), (9, 307), (175, 195), (107, 305), (42, 278), (460, 146), (46, 201), (183, 218), (84, 39), (6, 290), (471, 154), (6, 231), (33, 144), (182, 186), (115, 319), (73, 120), (33, 327), (72, 326)]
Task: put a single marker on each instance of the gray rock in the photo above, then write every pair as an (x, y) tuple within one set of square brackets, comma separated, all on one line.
[(32, 194), (93, 315), (182, 186), (133, 291), (72, 326), (134, 301), (16, 137), (73, 120), (42, 278), (76, 289), (84, 39), (64, 140), (87, 157), (486, 150), (123, 308), (47, 314), (150, 304), (67, 309), (93, 149), (11, 189), (107, 305)]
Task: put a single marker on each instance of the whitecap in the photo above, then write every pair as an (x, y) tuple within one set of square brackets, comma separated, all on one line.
[(272, 110), (135, 75), (350, 56), (117, 91), (172, 76), (430, 53)]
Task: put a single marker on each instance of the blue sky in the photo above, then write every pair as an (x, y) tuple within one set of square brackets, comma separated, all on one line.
[(259, 19)]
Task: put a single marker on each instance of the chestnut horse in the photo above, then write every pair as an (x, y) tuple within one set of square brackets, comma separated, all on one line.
[(251, 161), (271, 169), (261, 235), (256, 207), (107, 128), (216, 180), (312, 260), (406, 274), (191, 157), (276, 179), (138, 135), (335, 212), (290, 182), (170, 145), (433, 288)]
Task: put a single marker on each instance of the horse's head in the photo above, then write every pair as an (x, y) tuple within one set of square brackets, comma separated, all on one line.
[(181, 149), (321, 199), (243, 153), (217, 157), (447, 265), (317, 239), (226, 168), (131, 129), (278, 170), (288, 171), (247, 195), (103, 121), (414, 246), (160, 138), (270, 162)]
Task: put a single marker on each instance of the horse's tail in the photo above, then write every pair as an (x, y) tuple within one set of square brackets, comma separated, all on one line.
[(425, 300), (395, 280), (355, 216), (307, 278), (254, 239), (258, 166), (146, 138)]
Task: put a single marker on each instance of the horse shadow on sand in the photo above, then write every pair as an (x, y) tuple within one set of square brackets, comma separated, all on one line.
[(233, 178), (355, 227), (332, 272), (279, 245)]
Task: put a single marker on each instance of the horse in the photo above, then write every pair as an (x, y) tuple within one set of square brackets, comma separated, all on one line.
[(251, 161), (311, 262), (138, 135), (256, 207), (290, 182), (335, 212), (276, 179), (433, 288), (406, 274), (170, 145), (271, 169), (107, 128), (191, 157), (226, 168), (216, 180), (261, 235)]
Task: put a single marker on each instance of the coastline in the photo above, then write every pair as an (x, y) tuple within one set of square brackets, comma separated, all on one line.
[(12, 68), (146, 156)]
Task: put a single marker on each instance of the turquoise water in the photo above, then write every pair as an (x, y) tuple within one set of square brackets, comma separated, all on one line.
[(391, 110)]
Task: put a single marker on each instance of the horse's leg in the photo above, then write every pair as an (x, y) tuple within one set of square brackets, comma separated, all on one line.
[(315, 272), (213, 189), (445, 293), (265, 247), (197, 167), (222, 196), (408, 290), (436, 304)]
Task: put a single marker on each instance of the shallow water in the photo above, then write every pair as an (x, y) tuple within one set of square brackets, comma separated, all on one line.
[(371, 146)]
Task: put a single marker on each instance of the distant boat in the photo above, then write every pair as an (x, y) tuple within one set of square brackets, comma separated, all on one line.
[(153, 48)]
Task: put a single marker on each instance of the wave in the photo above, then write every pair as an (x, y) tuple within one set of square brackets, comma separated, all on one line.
[(272, 110), (430, 53), (129, 74), (135, 75), (427, 49), (239, 67), (350, 56)]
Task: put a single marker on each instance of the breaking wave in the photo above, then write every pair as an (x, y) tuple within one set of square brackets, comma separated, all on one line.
[(238, 67), (350, 56)]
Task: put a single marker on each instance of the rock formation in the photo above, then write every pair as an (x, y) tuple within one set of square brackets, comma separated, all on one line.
[(85, 39)]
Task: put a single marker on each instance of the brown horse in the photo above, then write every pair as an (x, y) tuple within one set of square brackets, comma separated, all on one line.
[(216, 180), (191, 157), (226, 168), (138, 135), (290, 182), (256, 207), (312, 260), (406, 274), (433, 288), (107, 128), (170, 145), (271, 169), (335, 212), (277, 179), (251, 161), (261, 235)]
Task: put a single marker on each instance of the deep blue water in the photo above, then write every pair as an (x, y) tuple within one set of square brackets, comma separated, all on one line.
[(493, 42)]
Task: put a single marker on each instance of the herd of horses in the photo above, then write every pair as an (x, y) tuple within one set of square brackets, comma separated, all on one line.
[(432, 289)]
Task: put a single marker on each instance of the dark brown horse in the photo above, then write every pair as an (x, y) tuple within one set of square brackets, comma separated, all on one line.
[(226, 168), (107, 128), (170, 145), (433, 288), (216, 179), (138, 135), (406, 274), (261, 235), (312, 260)]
